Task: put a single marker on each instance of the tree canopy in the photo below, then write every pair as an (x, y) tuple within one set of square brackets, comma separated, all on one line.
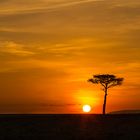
[(106, 80)]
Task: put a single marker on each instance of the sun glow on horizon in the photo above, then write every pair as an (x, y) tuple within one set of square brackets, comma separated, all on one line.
[(86, 108)]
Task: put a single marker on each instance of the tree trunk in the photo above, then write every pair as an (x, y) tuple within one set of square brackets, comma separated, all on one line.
[(104, 105)]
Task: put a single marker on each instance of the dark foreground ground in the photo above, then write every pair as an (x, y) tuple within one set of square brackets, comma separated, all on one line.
[(70, 127)]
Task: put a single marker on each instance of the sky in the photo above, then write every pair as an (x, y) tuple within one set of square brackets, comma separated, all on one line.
[(50, 48)]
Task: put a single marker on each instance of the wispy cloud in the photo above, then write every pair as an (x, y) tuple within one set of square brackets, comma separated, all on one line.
[(40, 5), (14, 48)]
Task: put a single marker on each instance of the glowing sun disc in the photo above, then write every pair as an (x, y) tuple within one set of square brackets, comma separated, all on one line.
[(86, 108)]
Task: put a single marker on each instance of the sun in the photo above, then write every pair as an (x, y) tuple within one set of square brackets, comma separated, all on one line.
[(86, 108)]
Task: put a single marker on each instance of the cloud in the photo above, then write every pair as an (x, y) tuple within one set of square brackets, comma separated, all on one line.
[(96, 18), (37, 6), (73, 46), (13, 48)]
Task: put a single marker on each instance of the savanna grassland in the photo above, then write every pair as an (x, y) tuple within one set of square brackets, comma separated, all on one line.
[(66, 127)]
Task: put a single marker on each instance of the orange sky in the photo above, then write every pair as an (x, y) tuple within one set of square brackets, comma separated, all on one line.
[(49, 48)]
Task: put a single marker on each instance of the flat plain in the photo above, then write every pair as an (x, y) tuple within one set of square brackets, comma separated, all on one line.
[(70, 127)]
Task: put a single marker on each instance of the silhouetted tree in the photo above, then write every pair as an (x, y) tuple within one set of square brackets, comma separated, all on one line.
[(107, 81)]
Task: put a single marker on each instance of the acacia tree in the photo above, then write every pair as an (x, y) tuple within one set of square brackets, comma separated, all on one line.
[(107, 81)]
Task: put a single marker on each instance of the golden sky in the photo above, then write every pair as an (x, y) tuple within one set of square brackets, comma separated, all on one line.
[(49, 48)]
